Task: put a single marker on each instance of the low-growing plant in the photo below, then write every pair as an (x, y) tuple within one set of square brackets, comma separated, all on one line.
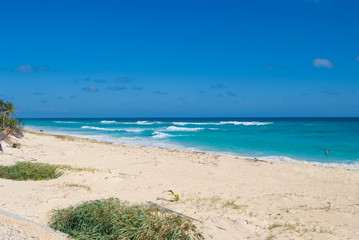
[(175, 196), (111, 219), (74, 185), (76, 169), (233, 205), (23, 171)]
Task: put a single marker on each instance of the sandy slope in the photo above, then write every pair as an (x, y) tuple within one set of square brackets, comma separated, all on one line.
[(232, 198), (14, 228)]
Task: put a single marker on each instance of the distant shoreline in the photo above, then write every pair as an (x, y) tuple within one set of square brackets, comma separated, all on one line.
[(287, 160)]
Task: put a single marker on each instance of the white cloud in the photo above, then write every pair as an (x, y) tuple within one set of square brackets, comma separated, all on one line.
[(322, 62), (90, 89), (25, 69)]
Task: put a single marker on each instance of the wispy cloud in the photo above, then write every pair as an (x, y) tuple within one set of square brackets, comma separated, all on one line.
[(100, 81), (116, 88), (322, 62), (350, 91), (123, 80), (136, 88), (232, 94), (90, 89), (182, 100), (329, 92), (25, 69), (218, 86), (160, 93)]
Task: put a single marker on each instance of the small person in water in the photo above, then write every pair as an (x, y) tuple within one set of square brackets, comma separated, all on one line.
[(326, 152)]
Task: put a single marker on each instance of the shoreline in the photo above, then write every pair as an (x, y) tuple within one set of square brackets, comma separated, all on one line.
[(274, 159), (246, 198)]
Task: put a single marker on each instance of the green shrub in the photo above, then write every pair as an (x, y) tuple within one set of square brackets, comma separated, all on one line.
[(22, 171), (112, 219)]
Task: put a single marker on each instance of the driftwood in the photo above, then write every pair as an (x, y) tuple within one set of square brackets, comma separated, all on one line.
[(6, 136)]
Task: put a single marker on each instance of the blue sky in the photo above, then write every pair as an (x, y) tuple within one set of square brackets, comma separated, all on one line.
[(283, 58)]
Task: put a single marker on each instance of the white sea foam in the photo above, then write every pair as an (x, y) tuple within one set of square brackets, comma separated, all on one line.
[(160, 135), (194, 123), (182, 129), (288, 159), (134, 130), (96, 128), (64, 122), (244, 123), (222, 123), (148, 123), (141, 122), (113, 129), (134, 123), (107, 122)]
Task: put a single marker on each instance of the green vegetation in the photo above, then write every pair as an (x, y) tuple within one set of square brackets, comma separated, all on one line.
[(7, 109), (111, 219), (75, 169), (175, 196), (9, 126), (233, 205), (23, 171), (75, 185)]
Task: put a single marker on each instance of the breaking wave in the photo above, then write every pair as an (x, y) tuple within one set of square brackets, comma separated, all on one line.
[(244, 123), (134, 123), (160, 135), (64, 122), (222, 123), (182, 129), (107, 122), (113, 129)]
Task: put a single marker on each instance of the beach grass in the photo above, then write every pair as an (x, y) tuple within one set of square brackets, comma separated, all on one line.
[(76, 169), (75, 185), (111, 218), (23, 171)]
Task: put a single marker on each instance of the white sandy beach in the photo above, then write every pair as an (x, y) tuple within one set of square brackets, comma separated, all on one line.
[(233, 198)]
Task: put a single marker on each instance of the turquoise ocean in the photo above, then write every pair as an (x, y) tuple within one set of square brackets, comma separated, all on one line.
[(271, 139)]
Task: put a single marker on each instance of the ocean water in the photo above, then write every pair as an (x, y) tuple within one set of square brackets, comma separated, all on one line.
[(272, 139)]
